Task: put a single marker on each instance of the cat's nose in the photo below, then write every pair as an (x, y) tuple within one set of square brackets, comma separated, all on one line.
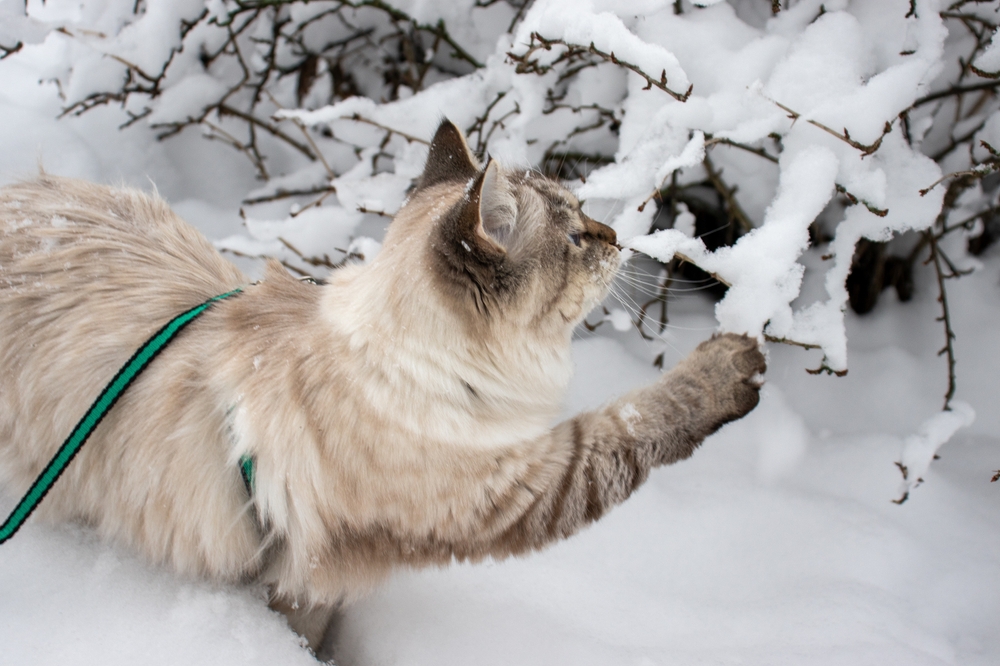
[(602, 232)]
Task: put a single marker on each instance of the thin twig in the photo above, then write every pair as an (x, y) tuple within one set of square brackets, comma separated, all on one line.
[(736, 212), (845, 136), (527, 66), (949, 333), (875, 210), (760, 152), (956, 90), (786, 341), (286, 194), (978, 172), (357, 117)]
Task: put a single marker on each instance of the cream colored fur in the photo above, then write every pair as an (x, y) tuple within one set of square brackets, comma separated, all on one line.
[(397, 417)]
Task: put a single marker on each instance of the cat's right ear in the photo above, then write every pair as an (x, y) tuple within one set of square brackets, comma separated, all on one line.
[(450, 160)]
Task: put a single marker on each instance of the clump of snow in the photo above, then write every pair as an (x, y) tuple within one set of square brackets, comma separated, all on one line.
[(919, 449), (630, 415), (582, 22), (364, 248), (620, 320), (187, 99), (989, 60), (685, 220)]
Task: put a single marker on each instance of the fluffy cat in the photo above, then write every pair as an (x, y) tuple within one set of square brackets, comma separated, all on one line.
[(399, 415)]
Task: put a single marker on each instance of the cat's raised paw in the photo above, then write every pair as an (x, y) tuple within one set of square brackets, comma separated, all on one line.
[(733, 367)]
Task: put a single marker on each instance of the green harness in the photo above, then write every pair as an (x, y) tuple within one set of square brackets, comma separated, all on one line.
[(105, 401)]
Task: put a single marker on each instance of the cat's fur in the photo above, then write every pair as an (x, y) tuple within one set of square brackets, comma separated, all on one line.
[(400, 415)]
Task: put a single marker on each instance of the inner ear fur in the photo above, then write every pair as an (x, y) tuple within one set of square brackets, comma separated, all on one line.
[(450, 159), (497, 206), (466, 224)]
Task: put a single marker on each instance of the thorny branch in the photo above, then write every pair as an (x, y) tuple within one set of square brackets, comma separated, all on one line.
[(935, 259), (576, 52), (845, 136)]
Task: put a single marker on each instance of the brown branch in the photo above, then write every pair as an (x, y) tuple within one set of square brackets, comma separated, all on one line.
[(323, 261), (866, 149), (10, 50), (760, 152), (226, 110), (786, 341), (479, 125), (684, 257), (661, 297), (438, 29), (224, 136), (875, 210), (526, 66), (945, 318), (975, 173), (824, 368), (286, 194), (357, 117), (733, 208), (955, 90), (380, 213)]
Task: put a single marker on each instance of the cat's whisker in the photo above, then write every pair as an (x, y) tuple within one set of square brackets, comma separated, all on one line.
[(651, 332), (645, 274), (636, 312)]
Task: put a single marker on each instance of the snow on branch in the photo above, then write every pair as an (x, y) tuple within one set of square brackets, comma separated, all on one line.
[(576, 52)]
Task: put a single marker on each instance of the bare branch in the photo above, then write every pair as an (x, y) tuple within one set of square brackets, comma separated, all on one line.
[(875, 210), (527, 66), (786, 341), (866, 150), (945, 318), (760, 152)]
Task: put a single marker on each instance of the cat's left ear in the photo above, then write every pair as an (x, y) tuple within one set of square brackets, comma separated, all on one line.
[(449, 160), (487, 217)]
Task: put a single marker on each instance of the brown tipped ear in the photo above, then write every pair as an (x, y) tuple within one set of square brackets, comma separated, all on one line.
[(450, 159)]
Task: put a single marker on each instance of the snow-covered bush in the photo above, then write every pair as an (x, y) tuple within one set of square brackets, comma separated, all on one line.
[(719, 138)]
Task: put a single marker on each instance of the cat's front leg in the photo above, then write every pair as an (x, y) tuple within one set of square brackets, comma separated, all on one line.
[(597, 459), (717, 383)]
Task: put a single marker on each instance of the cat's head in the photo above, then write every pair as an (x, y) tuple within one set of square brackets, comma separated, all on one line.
[(502, 246)]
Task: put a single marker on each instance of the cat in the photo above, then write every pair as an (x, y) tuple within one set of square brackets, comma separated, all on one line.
[(399, 415)]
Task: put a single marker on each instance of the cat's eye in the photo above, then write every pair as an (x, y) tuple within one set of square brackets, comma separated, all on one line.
[(574, 238)]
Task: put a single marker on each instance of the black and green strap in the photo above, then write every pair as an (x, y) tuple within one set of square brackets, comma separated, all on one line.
[(105, 401)]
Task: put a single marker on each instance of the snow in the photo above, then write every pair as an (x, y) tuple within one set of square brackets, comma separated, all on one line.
[(762, 267), (989, 61), (778, 541), (186, 99), (919, 449), (581, 22)]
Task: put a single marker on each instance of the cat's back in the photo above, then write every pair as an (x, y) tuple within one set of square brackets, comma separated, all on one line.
[(60, 233), (87, 274), (110, 259)]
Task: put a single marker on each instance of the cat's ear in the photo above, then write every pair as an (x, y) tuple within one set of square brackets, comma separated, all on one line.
[(450, 160), (486, 218), (497, 205)]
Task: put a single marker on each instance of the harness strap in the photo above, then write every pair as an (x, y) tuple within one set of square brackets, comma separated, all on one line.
[(105, 401), (248, 467)]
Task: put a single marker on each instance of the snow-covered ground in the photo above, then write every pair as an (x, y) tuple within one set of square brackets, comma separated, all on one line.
[(777, 543)]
